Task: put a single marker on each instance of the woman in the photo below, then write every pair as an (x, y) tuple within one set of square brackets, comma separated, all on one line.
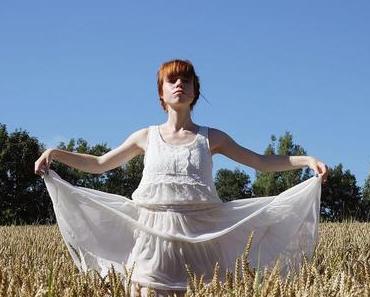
[(175, 217)]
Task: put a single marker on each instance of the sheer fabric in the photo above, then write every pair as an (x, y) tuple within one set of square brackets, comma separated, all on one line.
[(175, 218)]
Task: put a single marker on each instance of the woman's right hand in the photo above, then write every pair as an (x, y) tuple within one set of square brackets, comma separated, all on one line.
[(43, 163)]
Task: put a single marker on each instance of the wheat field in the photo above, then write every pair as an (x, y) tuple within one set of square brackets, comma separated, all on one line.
[(34, 261)]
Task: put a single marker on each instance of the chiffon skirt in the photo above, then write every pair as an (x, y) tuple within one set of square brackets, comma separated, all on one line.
[(102, 229)]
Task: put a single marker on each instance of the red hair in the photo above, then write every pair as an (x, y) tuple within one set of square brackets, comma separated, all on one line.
[(176, 68)]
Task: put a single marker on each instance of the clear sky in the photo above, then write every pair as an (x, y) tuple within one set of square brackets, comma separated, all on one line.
[(87, 69)]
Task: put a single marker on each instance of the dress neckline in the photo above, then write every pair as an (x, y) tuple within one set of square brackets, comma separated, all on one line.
[(179, 145)]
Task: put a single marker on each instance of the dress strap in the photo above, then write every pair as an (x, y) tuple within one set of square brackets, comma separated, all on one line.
[(204, 132), (151, 138)]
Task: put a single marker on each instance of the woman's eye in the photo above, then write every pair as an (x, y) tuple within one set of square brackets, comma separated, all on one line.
[(174, 79)]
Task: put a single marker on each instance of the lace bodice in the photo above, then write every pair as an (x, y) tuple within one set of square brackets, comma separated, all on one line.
[(175, 174)]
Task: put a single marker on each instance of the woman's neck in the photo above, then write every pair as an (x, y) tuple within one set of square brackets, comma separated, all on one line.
[(179, 120)]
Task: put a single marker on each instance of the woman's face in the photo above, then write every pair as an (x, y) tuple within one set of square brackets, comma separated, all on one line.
[(178, 91)]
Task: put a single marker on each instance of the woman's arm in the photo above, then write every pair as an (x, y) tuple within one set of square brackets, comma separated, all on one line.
[(134, 145), (222, 143), (83, 162), (284, 163)]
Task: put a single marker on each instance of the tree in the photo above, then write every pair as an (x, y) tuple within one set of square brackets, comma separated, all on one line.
[(231, 185), (365, 202), (23, 197), (78, 177), (273, 183), (341, 197), (366, 189), (122, 180), (125, 180)]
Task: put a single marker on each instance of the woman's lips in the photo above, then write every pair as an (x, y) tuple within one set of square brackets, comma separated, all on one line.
[(179, 91)]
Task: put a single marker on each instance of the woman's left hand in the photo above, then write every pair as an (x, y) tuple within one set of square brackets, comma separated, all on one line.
[(319, 168)]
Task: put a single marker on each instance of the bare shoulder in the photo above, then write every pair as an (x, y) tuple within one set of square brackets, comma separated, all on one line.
[(132, 146), (222, 143), (139, 138), (217, 140)]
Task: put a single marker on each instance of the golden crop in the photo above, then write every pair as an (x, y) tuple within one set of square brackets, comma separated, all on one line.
[(34, 261)]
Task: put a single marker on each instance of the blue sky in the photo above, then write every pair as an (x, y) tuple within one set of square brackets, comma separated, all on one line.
[(87, 69)]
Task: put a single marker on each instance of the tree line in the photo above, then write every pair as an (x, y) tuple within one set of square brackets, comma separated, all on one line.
[(24, 198)]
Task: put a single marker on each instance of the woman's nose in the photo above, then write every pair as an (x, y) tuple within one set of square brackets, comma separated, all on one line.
[(179, 81)]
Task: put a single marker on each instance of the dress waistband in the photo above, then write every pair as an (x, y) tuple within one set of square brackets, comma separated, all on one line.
[(185, 207)]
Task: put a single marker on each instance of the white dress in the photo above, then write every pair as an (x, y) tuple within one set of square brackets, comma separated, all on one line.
[(175, 218)]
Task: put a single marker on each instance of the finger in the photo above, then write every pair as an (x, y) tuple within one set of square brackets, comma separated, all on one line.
[(321, 167)]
